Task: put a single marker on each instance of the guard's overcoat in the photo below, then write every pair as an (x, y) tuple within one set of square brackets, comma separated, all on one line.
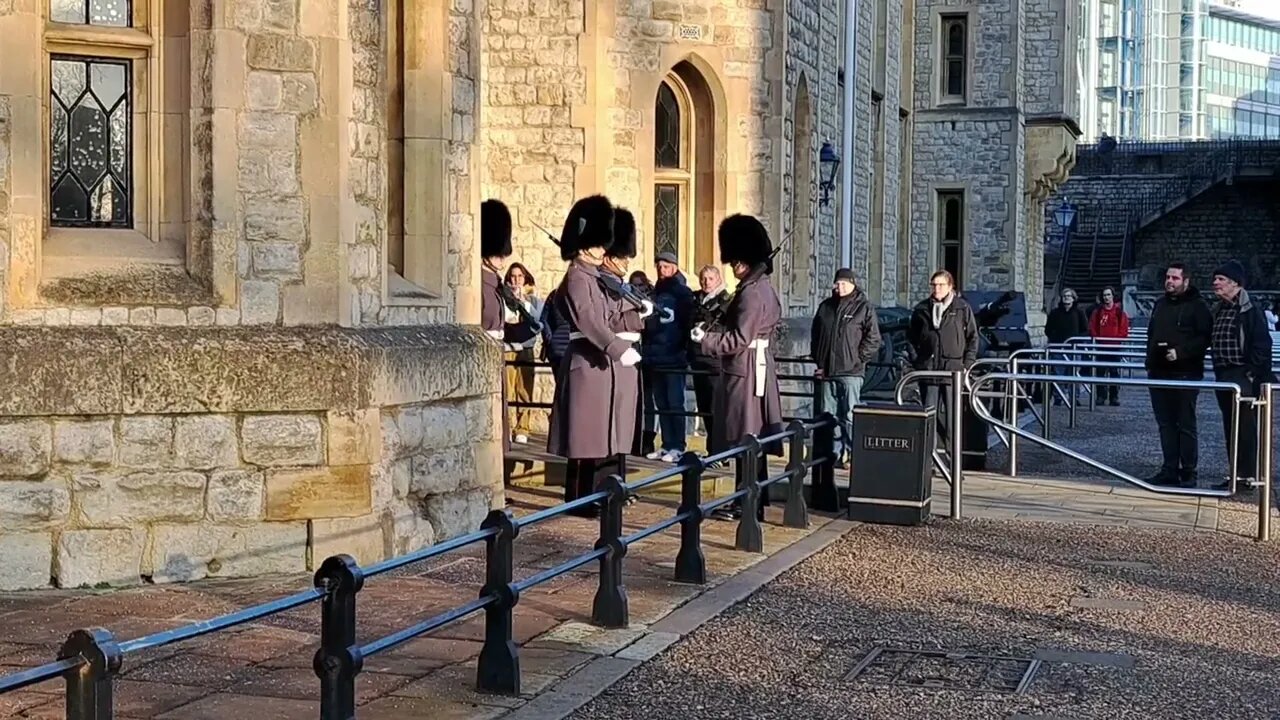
[(584, 422), (753, 313), (626, 387), (492, 317)]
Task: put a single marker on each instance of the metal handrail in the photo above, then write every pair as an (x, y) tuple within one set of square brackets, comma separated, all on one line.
[(956, 385), (981, 410), (90, 659)]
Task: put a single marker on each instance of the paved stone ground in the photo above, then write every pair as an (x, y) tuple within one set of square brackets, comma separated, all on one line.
[(1132, 623), (264, 669)]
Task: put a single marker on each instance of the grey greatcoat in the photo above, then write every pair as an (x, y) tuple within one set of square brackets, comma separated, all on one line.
[(752, 316), (585, 417), (492, 316), (626, 386)]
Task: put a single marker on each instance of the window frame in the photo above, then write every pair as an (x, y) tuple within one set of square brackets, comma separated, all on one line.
[(942, 195), (141, 43), (945, 20), (683, 176)]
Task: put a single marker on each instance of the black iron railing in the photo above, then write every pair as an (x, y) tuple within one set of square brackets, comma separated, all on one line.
[(90, 659)]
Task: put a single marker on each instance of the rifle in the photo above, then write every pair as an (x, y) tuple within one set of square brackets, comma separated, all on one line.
[(614, 285), (717, 314)]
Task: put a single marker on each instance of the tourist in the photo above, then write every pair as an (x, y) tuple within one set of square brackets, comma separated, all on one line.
[(1241, 346), (844, 337), (1108, 324), (521, 337), (944, 335), (666, 355), (708, 304), (1177, 339)]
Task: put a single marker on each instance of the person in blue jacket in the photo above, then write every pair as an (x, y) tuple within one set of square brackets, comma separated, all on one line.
[(666, 353)]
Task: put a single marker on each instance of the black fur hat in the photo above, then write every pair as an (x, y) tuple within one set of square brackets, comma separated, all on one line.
[(743, 239), (495, 229), (624, 234), (590, 224)]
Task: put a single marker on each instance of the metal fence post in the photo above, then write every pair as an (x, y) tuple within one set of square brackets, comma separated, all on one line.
[(823, 481), (1265, 419), (1012, 418), (610, 607), (498, 669), (750, 536), (796, 514), (338, 660), (1071, 397), (89, 691), (691, 564), (957, 440)]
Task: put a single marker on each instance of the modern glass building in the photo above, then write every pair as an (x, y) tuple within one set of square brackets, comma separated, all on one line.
[(1178, 70)]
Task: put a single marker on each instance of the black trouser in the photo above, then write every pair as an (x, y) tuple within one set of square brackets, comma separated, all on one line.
[(1175, 411), (703, 387), (938, 396), (1246, 460), (583, 477), (1105, 392)]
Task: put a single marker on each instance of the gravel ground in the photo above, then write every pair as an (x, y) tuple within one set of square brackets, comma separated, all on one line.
[(1124, 437), (1191, 628)]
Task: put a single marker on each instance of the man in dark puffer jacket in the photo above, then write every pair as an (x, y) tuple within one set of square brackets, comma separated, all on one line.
[(666, 348)]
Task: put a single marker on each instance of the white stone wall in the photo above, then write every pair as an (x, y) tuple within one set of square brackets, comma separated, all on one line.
[(116, 500)]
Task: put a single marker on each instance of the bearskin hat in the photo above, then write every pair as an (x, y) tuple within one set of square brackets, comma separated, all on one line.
[(624, 234), (495, 229), (590, 224), (743, 239)]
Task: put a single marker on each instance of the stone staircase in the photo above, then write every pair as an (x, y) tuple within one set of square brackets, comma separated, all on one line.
[(1092, 264)]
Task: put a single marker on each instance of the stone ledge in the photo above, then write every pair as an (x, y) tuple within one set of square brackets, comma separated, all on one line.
[(158, 370)]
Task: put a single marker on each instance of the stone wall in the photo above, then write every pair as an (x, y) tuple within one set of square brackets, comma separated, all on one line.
[(134, 457), (1240, 221)]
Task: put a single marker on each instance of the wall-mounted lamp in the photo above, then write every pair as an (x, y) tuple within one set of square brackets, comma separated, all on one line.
[(1065, 215), (828, 164)]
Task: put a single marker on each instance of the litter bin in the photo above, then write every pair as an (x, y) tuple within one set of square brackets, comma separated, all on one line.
[(892, 479)]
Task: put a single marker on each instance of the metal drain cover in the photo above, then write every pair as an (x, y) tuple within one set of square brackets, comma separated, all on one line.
[(942, 670)]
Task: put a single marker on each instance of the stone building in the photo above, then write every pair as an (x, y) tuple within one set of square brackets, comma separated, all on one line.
[(238, 274)]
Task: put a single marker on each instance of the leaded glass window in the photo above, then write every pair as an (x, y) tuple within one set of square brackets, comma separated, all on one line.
[(667, 129), (955, 56), (951, 233), (90, 142), (666, 219), (110, 13)]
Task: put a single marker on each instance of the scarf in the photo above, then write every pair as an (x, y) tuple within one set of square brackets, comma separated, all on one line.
[(940, 308)]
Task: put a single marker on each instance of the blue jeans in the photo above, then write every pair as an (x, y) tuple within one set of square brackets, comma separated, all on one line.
[(668, 396), (839, 395)]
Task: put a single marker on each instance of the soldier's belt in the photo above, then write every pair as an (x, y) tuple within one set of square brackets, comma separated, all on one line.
[(631, 337), (498, 335)]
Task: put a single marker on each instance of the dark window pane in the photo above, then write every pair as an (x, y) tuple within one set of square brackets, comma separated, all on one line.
[(955, 38), (666, 139), (666, 219), (951, 262), (90, 149), (951, 227), (955, 77)]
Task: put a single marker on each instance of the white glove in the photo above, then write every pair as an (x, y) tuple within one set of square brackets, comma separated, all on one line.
[(668, 316), (510, 316), (513, 347), (630, 358), (697, 333), (529, 344), (647, 310)]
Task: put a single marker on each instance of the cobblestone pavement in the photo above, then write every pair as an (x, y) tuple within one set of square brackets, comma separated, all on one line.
[(264, 669), (1129, 623)]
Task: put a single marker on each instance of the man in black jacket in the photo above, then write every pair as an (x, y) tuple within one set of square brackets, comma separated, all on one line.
[(943, 333), (1177, 340), (1242, 355), (844, 338)]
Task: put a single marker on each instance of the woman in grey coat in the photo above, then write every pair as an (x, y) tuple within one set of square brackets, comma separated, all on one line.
[(745, 399), (584, 427)]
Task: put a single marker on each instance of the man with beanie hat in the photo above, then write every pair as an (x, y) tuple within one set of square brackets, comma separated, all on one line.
[(1241, 355), (845, 337)]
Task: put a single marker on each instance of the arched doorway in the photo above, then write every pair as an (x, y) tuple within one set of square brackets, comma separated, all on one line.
[(683, 168), (802, 199)]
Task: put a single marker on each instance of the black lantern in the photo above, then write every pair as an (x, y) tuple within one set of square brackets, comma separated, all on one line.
[(1065, 215), (829, 163)]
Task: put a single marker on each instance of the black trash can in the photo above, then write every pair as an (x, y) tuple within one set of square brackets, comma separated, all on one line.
[(892, 478)]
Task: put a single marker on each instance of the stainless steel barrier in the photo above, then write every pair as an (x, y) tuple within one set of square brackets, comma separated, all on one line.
[(955, 410), (1264, 462)]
